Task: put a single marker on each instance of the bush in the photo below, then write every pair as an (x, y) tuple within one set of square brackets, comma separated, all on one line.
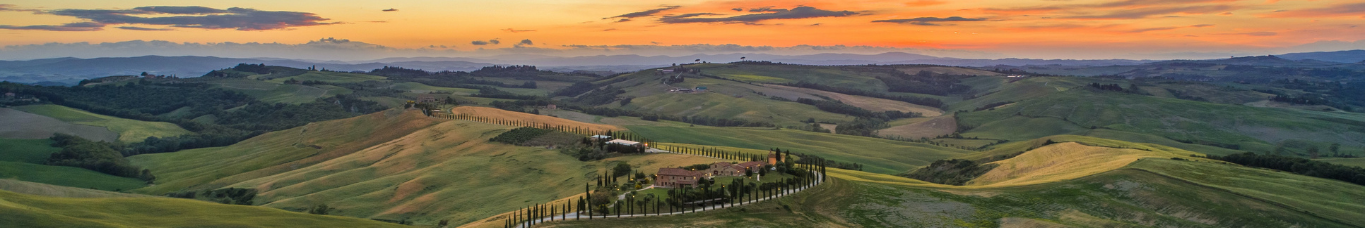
[(951, 172), (519, 135)]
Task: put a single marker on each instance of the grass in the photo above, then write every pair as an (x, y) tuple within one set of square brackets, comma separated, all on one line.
[(1357, 162), (278, 92), (876, 155), (331, 77), (724, 99), (1126, 197), (23, 210), (1064, 161), (127, 129), (34, 188), (1254, 129), (424, 88), (34, 151), (67, 176), (1327, 198), (391, 166)]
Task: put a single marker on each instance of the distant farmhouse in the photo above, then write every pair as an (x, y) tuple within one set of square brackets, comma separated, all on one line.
[(679, 177), (426, 98)]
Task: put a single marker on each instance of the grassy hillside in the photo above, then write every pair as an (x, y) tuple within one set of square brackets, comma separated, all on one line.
[(877, 155), (724, 99), (393, 166), (330, 77), (1064, 161), (127, 129), (23, 210), (67, 176), (1253, 129), (521, 116), (22, 160), (275, 152), (34, 151), (24, 125), (1126, 197), (277, 92), (1357, 162), (34, 188)]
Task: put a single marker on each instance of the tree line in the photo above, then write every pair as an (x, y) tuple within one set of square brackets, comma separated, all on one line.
[(1297, 165)]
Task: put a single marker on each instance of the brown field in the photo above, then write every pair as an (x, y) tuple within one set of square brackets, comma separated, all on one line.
[(22, 125), (521, 116), (933, 127), (869, 103)]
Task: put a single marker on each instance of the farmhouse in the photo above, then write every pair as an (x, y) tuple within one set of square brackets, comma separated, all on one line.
[(600, 137), (623, 142), (772, 158), (426, 98), (722, 169), (676, 177)]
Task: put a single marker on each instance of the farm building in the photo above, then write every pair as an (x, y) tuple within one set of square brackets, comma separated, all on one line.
[(676, 177), (623, 142), (600, 137), (426, 98)]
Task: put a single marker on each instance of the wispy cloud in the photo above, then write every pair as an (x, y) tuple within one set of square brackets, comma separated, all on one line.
[(180, 17), (929, 21), (770, 14)]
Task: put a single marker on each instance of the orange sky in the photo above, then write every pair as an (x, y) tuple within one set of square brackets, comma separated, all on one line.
[(982, 25)]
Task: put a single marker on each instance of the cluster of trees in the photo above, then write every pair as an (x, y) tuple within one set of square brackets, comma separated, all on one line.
[(253, 68), (584, 87), (238, 196), (841, 108), (238, 116), (992, 106), (490, 92), (1306, 99), (457, 79), (98, 156), (1110, 87), (951, 172), (519, 135), (862, 127), (931, 102), (1301, 166), (924, 82)]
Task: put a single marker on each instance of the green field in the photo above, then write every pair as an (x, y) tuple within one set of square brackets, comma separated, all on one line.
[(34, 151), (278, 92), (22, 159), (23, 210), (1128, 197), (1357, 162), (331, 77), (67, 176), (876, 155), (1253, 129), (127, 129), (390, 166)]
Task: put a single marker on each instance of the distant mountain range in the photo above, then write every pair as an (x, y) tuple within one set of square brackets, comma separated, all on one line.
[(58, 71)]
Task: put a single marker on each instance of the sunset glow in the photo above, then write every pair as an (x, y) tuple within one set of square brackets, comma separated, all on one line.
[(1053, 28)]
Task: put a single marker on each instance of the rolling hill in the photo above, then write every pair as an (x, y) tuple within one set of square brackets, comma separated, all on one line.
[(128, 130)]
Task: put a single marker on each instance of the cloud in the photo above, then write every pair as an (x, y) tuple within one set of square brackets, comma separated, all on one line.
[(495, 41), (390, 10), (774, 14), (135, 28), (1339, 10), (737, 9), (79, 26), (1201, 25), (766, 9), (525, 42), (517, 31), (645, 13), (479, 42), (12, 7), (1155, 11), (920, 3), (181, 17), (1151, 29), (1252, 34), (929, 21)]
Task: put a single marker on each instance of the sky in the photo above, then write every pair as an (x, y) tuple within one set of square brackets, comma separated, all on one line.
[(1067, 29)]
